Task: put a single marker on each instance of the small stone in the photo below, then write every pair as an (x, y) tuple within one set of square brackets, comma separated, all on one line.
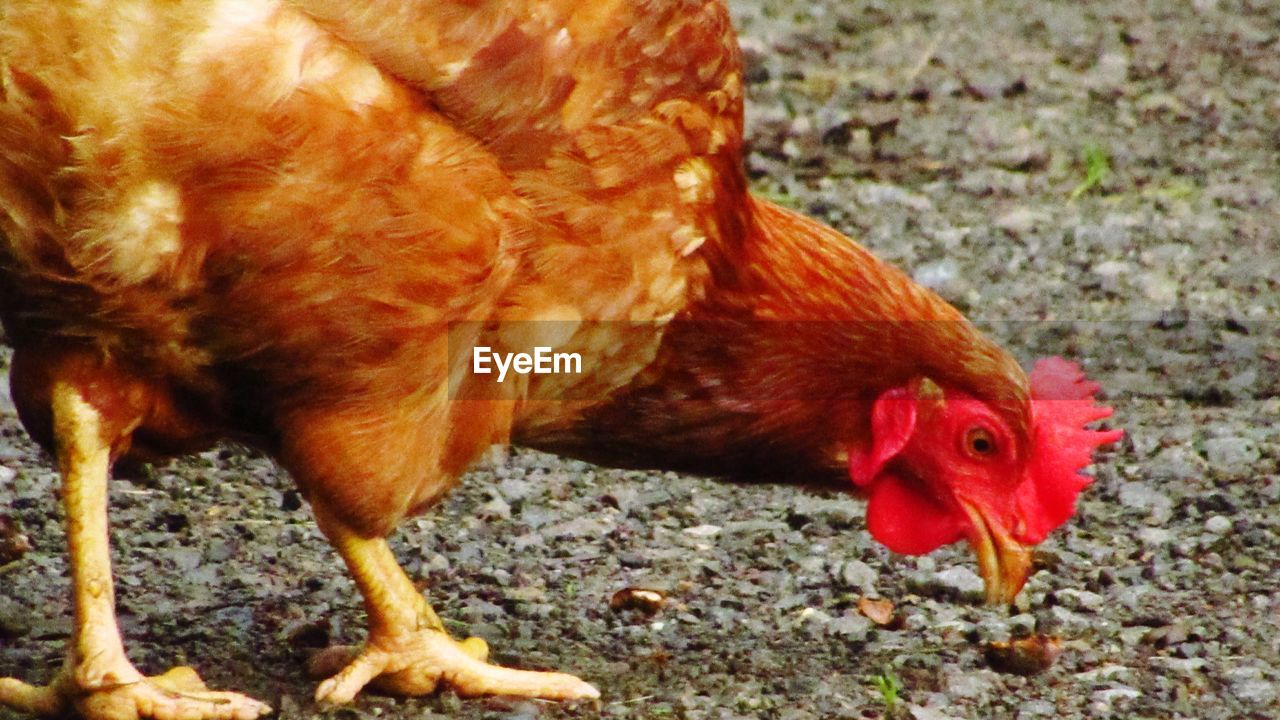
[(975, 684), (14, 620), (1037, 708), (857, 574), (1249, 685), (1111, 269), (1142, 496), (1159, 287), (1177, 462), (582, 526), (1185, 666), (1231, 455), (874, 194), (920, 712), (1155, 536), (496, 509), (914, 623), (1074, 622), (1162, 103), (1022, 625), (703, 531), (1074, 599), (1110, 671), (941, 276), (851, 626), (13, 543), (1107, 698), (960, 579), (1022, 221), (1218, 525), (997, 629), (814, 615), (1110, 72)]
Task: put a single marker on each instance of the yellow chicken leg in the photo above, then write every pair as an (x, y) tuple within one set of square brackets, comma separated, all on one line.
[(98, 681), (408, 651)]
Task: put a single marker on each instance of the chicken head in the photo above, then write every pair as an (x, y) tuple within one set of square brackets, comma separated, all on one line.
[(942, 466)]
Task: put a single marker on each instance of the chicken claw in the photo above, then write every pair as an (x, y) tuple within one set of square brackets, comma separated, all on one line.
[(179, 694), (415, 664), (408, 651), (97, 681)]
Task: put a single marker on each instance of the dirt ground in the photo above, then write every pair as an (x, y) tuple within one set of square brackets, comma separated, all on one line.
[(1094, 179)]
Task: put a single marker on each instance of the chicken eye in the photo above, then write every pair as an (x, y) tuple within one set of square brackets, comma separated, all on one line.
[(979, 442)]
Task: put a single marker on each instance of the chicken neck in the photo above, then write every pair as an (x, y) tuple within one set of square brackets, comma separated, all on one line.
[(774, 372)]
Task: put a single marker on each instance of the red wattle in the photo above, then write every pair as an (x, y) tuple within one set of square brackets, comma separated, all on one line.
[(905, 519)]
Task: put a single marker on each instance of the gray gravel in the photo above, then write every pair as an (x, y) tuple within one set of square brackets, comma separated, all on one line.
[(949, 137)]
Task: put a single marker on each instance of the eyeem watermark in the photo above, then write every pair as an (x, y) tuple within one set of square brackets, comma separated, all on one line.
[(541, 362)]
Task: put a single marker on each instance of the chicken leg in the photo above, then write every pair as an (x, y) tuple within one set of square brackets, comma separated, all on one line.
[(98, 681), (408, 651)]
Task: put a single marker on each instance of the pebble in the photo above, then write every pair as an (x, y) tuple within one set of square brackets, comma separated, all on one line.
[(1185, 666), (960, 579), (703, 531), (1142, 496), (7, 474), (941, 276), (1104, 699), (1231, 455), (920, 712), (814, 615), (1159, 287), (583, 526), (1155, 536), (1037, 708), (975, 684), (997, 629), (857, 574), (1080, 599), (1109, 671), (1021, 221), (1110, 270), (851, 626), (1249, 685), (1022, 625), (496, 508), (1072, 622), (1218, 524), (872, 194)]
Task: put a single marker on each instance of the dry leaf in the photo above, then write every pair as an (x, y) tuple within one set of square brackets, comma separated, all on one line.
[(879, 612), (1027, 656), (645, 600)]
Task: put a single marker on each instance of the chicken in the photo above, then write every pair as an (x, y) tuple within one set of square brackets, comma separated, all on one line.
[(294, 224)]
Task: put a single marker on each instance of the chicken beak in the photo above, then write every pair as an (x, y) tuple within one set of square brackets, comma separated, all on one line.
[(1003, 563)]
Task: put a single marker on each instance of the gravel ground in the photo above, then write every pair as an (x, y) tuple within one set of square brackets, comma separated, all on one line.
[(950, 137)]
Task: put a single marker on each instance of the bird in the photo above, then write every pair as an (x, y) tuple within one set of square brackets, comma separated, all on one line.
[(294, 224)]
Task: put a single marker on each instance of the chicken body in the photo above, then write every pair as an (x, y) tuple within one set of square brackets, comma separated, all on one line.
[(290, 224)]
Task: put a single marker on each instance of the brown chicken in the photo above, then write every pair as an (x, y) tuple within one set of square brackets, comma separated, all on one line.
[(294, 224)]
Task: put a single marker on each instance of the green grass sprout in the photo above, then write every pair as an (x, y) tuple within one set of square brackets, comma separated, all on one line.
[(1097, 166), (890, 687)]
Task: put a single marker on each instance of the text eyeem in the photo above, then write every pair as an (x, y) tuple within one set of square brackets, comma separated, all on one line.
[(542, 361)]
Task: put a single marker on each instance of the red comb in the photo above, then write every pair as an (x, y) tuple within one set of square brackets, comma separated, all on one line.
[(1061, 407)]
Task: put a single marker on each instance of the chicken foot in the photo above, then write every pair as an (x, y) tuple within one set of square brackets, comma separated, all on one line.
[(98, 681), (408, 651)]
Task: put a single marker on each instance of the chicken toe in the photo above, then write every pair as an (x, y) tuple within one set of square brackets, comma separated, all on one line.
[(408, 651), (98, 682), (416, 663), (179, 694)]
